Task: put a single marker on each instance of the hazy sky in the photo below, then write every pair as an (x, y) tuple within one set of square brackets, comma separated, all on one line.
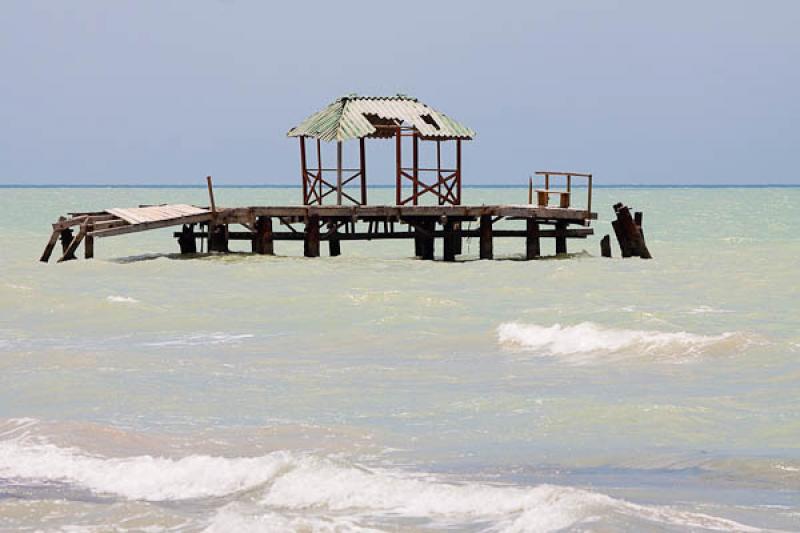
[(701, 91)]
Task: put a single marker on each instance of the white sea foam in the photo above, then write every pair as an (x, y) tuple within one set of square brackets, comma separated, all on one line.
[(588, 342), (141, 477), (122, 299), (328, 495), (200, 339)]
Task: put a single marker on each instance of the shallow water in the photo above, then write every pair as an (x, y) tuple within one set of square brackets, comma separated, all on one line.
[(375, 391)]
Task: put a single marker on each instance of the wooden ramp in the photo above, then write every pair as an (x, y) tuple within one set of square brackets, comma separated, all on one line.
[(117, 221)]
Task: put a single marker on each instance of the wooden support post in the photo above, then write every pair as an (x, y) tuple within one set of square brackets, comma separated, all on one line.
[(415, 169), (530, 190), (428, 241), (486, 251), (532, 244), (458, 172), (318, 181), (334, 243), (69, 246), (605, 246), (458, 243), (263, 241), (449, 241), (187, 241), (303, 171), (363, 159), (439, 171), (48, 249), (88, 242), (399, 167), (311, 237), (419, 240), (339, 173), (629, 233), (218, 238), (561, 238)]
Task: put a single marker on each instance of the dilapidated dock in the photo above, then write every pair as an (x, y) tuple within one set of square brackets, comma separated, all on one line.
[(428, 199), (211, 229)]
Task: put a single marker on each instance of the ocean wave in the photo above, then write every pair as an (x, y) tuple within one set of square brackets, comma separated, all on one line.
[(122, 299), (307, 492), (140, 477), (588, 342), (200, 339)]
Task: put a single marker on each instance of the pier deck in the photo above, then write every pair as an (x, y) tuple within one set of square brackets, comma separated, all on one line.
[(314, 224)]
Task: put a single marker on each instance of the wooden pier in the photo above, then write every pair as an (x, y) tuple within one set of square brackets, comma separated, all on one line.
[(211, 229), (427, 196)]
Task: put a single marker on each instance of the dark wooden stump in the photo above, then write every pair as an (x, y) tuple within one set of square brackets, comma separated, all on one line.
[(629, 233), (486, 244), (605, 246), (311, 237), (532, 241), (458, 243), (263, 241), (187, 241)]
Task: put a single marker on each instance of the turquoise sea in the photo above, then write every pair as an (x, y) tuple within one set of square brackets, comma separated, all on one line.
[(145, 391)]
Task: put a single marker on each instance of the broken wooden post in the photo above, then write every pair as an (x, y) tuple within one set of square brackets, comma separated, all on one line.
[(486, 245), (629, 233), (605, 246), (263, 239), (334, 243), (532, 244), (561, 238), (311, 237), (449, 241), (186, 240)]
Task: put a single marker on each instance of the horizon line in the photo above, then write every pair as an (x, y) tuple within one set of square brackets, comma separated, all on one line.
[(391, 186)]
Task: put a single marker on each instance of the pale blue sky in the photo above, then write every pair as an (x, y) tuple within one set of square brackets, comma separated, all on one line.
[(98, 91)]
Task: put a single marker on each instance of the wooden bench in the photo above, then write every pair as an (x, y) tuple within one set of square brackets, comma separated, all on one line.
[(543, 197)]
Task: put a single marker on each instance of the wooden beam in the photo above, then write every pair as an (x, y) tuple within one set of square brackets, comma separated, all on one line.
[(449, 241)]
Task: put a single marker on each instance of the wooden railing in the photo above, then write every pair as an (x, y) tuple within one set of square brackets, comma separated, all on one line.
[(564, 193)]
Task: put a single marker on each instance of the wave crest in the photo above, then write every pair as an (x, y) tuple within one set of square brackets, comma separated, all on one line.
[(584, 342)]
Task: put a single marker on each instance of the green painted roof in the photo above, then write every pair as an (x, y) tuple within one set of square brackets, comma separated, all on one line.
[(354, 117)]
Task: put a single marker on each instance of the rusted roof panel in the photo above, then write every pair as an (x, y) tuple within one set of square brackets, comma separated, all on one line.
[(348, 118)]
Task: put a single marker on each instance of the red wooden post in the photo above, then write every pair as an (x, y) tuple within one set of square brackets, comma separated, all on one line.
[(303, 169), (399, 158), (439, 171), (363, 153), (319, 171), (458, 172), (416, 168)]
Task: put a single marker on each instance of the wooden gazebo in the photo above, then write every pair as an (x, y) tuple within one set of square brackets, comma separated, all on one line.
[(381, 117)]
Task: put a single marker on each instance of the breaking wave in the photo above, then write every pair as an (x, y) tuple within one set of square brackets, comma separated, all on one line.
[(307, 492), (584, 342)]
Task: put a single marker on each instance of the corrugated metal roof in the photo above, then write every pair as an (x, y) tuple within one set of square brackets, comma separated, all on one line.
[(347, 118)]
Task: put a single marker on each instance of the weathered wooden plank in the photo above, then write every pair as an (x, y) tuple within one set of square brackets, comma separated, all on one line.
[(144, 226)]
